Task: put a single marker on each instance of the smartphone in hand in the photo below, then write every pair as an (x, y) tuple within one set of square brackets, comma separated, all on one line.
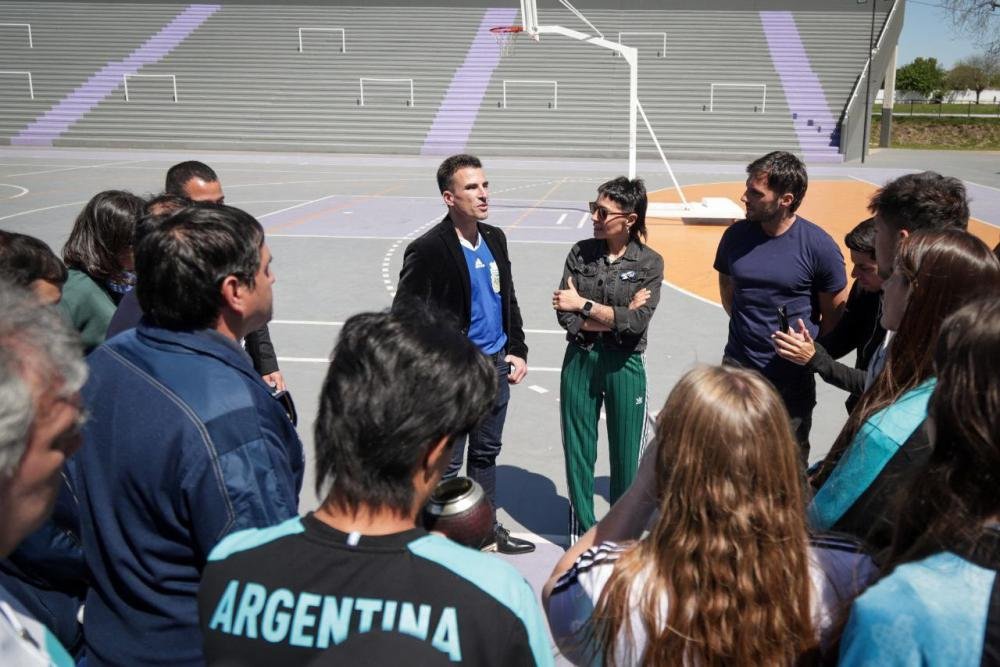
[(783, 326)]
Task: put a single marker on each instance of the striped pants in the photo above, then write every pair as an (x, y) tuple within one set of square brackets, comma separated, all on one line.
[(590, 378)]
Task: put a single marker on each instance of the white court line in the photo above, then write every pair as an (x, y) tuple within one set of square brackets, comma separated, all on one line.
[(44, 208), (862, 180), (986, 222), (579, 225), (304, 360), (561, 218), (82, 166), (511, 227), (289, 208), (691, 294), (324, 360), (383, 238), (23, 191), (334, 323), (540, 390)]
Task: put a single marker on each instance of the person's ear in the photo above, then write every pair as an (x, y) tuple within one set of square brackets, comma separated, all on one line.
[(902, 234), (233, 293), (449, 198), (437, 456), (786, 199)]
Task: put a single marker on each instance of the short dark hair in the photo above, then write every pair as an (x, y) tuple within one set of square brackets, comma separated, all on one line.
[(179, 174), (862, 238), (102, 232), (452, 164), (785, 174), (630, 195), (25, 259), (926, 200), (398, 382), (181, 263), (165, 203)]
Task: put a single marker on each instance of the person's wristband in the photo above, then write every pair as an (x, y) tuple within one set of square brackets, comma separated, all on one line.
[(586, 309)]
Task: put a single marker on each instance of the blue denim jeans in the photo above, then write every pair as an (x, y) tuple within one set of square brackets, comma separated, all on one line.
[(485, 441)]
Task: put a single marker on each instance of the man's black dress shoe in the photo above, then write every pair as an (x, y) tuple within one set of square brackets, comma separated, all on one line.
[(504, 543)]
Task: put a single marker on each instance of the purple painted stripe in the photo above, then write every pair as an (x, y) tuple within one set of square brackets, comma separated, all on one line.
[(458, 111), (53, 123), (802, 88)]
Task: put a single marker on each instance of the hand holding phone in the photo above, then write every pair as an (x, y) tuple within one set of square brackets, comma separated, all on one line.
[(783, 325)]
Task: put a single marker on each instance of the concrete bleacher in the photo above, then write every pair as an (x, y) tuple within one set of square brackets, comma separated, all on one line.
[(242, 82)]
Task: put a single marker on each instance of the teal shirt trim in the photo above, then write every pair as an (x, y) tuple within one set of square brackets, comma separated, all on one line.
[(875, 443), (931, 612), (57, 654), (497, 579), (252, 538)]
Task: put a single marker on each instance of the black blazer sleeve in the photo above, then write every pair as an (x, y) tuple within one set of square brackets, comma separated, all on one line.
[(258, 346)]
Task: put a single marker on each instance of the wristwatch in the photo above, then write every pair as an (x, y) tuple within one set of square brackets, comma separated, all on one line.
[(586, 309)]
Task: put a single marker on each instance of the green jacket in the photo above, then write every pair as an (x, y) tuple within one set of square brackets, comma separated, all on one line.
[(87, 306)]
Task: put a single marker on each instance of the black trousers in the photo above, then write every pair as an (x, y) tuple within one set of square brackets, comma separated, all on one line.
[(799, 396)]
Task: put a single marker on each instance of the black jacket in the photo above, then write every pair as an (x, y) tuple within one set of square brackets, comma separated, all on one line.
[(859, 329), (434, 272)]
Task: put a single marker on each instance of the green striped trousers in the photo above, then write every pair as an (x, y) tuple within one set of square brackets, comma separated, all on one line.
[(591, 378)]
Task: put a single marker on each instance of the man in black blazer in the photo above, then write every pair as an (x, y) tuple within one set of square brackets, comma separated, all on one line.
[(461, 267)]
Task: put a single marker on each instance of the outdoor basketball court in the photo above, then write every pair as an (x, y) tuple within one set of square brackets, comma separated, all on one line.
[(338, 225)]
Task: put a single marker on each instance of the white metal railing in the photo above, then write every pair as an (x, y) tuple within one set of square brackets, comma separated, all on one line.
[(663, 51), (343, 36), (172, 77), (361, 83), (31, 86), (864, 70), (31, 42), (555, 89), (712, 86)]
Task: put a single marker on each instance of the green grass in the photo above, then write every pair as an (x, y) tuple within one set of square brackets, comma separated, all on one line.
[(964, 108), (978, 134)]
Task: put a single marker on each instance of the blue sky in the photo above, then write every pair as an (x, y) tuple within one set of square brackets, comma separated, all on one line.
[(927, 32)]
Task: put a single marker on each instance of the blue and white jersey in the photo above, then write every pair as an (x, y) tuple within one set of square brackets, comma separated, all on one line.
[(837, 570), (942, 610), (24, 641)]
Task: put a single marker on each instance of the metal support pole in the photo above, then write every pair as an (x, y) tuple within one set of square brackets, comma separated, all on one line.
[(868, 86)]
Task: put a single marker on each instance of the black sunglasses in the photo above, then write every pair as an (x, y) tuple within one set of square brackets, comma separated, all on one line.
[(603, 214)]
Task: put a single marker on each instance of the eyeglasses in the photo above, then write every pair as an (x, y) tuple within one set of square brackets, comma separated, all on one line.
[(603, 214)]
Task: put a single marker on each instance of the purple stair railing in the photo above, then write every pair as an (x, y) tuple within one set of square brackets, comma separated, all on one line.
[(458, 111), (48, 127), (814, 125)]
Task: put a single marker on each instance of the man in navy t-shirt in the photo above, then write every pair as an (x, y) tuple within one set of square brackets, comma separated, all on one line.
[(776, 259)]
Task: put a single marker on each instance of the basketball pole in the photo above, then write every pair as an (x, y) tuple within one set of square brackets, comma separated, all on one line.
[(709, 207)]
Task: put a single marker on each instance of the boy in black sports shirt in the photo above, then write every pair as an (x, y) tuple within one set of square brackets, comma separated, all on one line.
[(357, 582)]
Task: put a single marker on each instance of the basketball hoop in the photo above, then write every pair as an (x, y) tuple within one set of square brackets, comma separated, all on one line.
[(506, 35)]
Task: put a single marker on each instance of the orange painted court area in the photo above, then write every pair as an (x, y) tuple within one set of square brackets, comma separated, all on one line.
[(689, 249)]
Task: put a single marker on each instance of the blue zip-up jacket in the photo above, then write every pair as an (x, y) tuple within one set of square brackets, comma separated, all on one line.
[(184, 445)]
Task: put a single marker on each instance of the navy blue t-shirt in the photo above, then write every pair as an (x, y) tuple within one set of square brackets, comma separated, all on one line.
[(767, 272)]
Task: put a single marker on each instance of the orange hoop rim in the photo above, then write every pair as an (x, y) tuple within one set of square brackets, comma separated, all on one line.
[(505, 29)]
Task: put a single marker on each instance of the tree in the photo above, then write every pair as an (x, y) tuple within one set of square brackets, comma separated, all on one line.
[(966, 76), (923, 76), (977, 18)]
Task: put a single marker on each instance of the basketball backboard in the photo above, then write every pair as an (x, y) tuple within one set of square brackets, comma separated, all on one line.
[(529, 17)]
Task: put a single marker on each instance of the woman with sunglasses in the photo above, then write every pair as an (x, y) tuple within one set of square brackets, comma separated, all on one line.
[(609, 290)]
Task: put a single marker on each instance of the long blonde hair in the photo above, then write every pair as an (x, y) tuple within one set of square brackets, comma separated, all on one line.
[(729, 551)]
